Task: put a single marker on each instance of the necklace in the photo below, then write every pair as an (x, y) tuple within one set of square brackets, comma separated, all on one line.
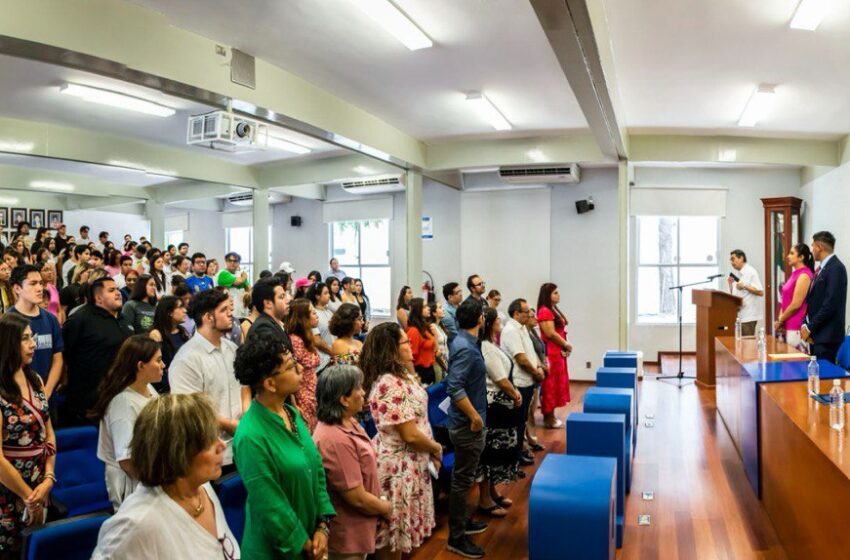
[(199, 509)]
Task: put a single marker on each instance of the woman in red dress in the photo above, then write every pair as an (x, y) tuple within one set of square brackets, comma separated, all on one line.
[(555, 389)]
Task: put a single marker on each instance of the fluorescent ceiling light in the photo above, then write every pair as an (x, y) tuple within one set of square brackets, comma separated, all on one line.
[(9, 200), (52, 186), (15, 146), (115, 99), (139, 168), (809, 14), (287, 146), (394, 22), (758, 106), (487, 111), (727, 155)]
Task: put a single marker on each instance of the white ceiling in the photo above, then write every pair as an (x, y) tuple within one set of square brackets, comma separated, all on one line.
[(496, 46), (30, 91), (692, 64)]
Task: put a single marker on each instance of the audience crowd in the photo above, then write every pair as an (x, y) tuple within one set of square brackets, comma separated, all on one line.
[(191, 372)]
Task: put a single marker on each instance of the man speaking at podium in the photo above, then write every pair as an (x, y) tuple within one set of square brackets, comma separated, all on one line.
[(744, 282), (823, 328)]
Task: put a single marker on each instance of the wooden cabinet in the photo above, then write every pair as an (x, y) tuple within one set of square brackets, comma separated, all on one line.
[(781, 232)]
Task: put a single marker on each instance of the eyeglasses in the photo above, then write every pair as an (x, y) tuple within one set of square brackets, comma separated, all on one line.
[(478, 285), (232, 260), (227, 547)]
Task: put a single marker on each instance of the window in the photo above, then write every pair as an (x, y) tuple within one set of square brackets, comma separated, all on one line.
[(174, 237), (241, 240), (671, 251), (363, 251)]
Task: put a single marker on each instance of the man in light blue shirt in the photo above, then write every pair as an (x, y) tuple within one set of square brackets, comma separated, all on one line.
[(453, 295), (335, 270)]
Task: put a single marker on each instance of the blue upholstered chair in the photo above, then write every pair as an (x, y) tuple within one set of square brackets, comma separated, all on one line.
[(602, 435), (438, 419), (233, 496), (607, 400), (622, 378), (571, 508), (620, 358), (843, 356), (69, 539), (80, 485)]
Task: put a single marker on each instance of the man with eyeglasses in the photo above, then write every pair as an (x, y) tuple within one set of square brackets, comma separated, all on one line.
[(454, 296), (477, 287), (235, 281)]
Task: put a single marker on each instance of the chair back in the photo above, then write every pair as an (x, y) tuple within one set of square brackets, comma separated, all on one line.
[(81, 484), (232, 495), (843, 356), (68, 539), (437, 393)]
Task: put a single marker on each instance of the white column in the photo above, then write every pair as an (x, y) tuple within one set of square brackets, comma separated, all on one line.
[(413, 206), (261, 215), (155, 212), (626, 177)]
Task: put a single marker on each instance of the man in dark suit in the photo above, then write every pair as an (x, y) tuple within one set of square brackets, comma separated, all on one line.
[(824, 325), (270, 299)]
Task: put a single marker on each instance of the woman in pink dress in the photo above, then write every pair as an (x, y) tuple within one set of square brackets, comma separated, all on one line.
[(404, 444), (793, 308), (555, 389), (300, 323)]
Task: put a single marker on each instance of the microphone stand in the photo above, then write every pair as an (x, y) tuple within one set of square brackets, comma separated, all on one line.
[(681, 374)]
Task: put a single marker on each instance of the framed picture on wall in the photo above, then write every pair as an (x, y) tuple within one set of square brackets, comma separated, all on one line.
[(18, 215), (4, 218), (54, 218), (36, 218)]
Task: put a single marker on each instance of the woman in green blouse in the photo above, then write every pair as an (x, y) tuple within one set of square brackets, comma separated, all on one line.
[(288, 505)]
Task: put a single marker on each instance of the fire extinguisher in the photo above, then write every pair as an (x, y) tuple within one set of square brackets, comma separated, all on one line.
[(428, 288)]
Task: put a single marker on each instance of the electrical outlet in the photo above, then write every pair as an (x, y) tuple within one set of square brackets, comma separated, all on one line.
[(587, 365)]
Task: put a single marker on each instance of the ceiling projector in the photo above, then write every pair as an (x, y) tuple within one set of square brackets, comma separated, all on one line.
[(222, 130)]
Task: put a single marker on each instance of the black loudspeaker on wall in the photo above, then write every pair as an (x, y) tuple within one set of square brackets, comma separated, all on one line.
[(295, 221), (584, 206)]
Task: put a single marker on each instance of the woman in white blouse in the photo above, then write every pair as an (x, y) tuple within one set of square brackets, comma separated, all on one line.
[(499, 463), (174, 513), (124, 392)]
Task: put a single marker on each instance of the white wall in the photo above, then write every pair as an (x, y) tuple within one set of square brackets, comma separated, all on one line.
[(306, 247), (205, 233), (743, 228), (830, 196), (116, 223), (441, 255)]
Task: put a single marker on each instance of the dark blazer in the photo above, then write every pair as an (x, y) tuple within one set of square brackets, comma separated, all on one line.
[(264, 324), (826, 303)]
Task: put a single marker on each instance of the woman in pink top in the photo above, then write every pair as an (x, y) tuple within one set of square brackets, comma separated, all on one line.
[(793, 309), (350, 464)]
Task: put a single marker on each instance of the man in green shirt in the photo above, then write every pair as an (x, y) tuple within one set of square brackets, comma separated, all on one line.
[(236, 283)]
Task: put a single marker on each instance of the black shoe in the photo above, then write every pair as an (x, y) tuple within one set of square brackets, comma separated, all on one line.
[(521, 474), (526, 459), (475, 527), (465, 547)]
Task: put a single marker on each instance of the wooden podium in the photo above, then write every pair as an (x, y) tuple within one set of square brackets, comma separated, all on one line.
[(716, 314)]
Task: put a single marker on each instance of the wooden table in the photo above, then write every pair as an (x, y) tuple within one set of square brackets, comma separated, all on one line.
[(805, 471), (739, 374)]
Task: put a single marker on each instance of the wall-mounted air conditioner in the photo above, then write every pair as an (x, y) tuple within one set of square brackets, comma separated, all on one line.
[(523, 175), (374, 185)]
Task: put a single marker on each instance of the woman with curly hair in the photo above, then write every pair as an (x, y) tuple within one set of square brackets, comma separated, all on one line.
[(404, 444), (288, 510), (346, 324), (300, 322)]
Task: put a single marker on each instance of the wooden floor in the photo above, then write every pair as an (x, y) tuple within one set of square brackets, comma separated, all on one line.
[(703, 507)]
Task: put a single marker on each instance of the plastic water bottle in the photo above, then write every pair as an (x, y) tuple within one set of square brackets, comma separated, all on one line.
[(762, 346), (836, 406), (738, 330), (814, 376)]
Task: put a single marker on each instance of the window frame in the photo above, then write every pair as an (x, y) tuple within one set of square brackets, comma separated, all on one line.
[(359, 264), (636, 317)]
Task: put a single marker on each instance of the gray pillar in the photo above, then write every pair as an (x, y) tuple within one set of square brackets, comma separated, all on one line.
[(626, 176), (155, 212), (413, 206), (261, 215)]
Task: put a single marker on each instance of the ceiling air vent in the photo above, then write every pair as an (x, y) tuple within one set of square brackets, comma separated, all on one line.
[(541, 174), (375, 185)]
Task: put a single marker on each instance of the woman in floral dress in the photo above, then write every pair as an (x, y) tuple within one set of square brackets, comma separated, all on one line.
[(29, 445), (300, 323), (404, 445)]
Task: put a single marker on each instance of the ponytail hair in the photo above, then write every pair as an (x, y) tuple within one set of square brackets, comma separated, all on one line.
[(806, 254)]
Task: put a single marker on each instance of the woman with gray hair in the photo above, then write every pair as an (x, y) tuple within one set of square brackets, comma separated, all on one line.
[(350, 464), (174, 513)]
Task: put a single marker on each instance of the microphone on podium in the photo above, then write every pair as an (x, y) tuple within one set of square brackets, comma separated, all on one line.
[(714, 276)]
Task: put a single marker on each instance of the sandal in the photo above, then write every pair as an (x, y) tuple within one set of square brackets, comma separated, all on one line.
[(493, 511), (503, 501)]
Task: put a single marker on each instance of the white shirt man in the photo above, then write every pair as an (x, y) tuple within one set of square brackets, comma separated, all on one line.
[(749, 288)]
